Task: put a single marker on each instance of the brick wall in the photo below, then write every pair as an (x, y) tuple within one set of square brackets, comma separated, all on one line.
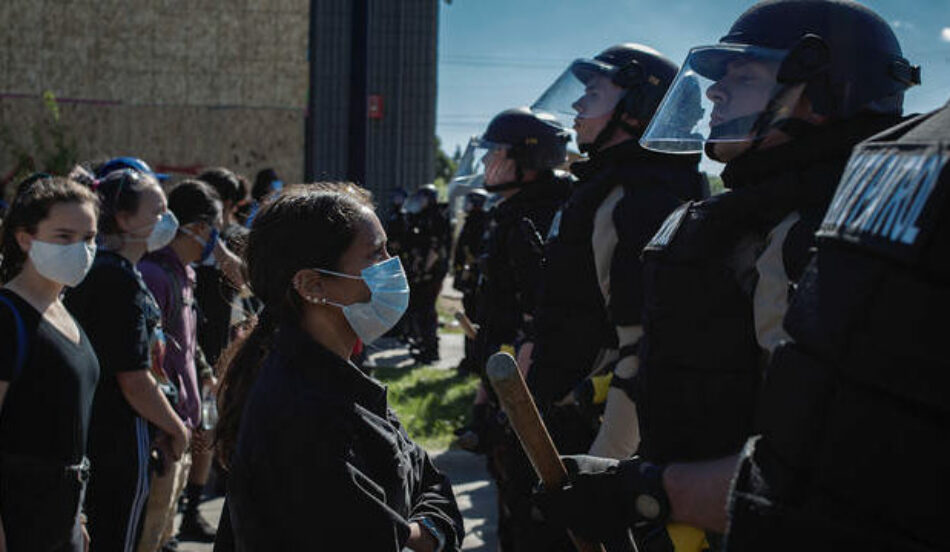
[(179, 83)]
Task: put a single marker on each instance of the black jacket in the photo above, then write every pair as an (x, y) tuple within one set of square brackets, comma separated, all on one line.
[(322, 463)]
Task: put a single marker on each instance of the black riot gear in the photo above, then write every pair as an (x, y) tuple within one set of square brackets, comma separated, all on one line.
[(640, 74), (535, 141), (846, 54), (854, 418), (641, 71), (475, 201), (838, 54)]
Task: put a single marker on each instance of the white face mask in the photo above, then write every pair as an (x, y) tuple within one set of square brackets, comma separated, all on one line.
[(388, 301), (63, 264), (162, 234)]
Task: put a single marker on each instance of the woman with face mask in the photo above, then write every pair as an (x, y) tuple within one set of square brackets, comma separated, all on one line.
[(169, 275), (317, 460), (48, 368), (133, 404)]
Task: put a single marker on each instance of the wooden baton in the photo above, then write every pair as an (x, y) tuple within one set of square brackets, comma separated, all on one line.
[(516, 401), (470, 330)]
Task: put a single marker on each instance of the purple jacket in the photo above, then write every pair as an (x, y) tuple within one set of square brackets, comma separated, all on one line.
[(173, 285)]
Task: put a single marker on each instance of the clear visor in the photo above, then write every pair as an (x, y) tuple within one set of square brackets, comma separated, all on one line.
[(584, 91), (485, 149), (723, 93)]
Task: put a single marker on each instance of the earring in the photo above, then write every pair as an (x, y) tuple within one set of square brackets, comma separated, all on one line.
[(317, 301)]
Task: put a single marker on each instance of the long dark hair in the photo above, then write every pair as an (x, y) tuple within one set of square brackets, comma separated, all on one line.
[(35, 197), (194, 201), (306, 226)]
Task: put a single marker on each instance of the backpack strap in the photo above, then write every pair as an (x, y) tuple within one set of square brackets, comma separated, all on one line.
[(21, 340)]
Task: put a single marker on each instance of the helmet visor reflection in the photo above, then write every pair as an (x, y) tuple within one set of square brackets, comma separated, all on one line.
[(723, 93)]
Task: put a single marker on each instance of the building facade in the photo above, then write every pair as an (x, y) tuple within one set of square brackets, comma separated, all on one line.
[(374, 92), (188, 84)]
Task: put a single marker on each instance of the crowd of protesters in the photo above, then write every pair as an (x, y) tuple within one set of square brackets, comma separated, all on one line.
[(123, 293)]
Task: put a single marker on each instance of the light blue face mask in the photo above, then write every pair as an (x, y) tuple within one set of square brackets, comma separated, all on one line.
[(389, 299)]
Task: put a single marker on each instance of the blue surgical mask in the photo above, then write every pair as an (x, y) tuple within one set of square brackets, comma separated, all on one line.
[(389, 299), (208, 244)]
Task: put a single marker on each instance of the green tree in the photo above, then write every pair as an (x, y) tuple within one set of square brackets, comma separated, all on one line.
[(444, 165), (53, 149)]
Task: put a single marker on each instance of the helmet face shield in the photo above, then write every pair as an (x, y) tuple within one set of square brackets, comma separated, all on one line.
[(723, 93), (485, 151), (584, 91)]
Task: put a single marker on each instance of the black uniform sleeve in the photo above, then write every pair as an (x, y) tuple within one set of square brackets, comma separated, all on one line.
[(637, 217), (434, 499), (525, 253)]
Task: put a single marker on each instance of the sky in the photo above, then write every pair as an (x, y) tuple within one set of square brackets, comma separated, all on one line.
[(498, 54)]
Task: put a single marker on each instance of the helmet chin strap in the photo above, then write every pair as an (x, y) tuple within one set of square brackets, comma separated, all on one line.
[(761, 124), (615, 123), (515, 184)]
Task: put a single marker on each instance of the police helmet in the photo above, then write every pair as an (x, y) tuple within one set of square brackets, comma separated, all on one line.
[(534, 140), (838, 54), (423, 198), (474, 199), (398, 196), (638, 77)]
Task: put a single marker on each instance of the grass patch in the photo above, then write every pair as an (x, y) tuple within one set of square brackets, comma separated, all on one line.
[(446, 307), (430, 403)]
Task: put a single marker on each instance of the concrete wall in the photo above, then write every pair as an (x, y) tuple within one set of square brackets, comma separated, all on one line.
[(180, 83)]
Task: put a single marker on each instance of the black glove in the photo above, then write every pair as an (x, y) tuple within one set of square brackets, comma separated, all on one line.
[(603, 497)]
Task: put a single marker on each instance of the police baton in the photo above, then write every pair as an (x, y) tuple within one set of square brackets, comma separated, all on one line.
[(524, 418)]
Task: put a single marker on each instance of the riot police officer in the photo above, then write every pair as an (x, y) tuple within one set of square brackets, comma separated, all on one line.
[(465, 265), (860, 388), (427, 242), (396, 224), (520, 150), (588, 317), (789, 91)]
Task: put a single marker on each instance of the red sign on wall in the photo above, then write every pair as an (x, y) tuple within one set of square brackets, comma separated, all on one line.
[(375, 109)]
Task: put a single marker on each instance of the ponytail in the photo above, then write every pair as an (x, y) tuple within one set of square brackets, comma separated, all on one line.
[(239, 364)]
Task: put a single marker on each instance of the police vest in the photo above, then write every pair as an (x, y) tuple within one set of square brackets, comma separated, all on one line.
[(572, 321), (700, 361), (855, 413)]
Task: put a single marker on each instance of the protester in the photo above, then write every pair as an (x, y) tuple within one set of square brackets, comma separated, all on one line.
[(124, 325), (317, 459), (220, 276), (266, 184), (171, 279), (48, 368)]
